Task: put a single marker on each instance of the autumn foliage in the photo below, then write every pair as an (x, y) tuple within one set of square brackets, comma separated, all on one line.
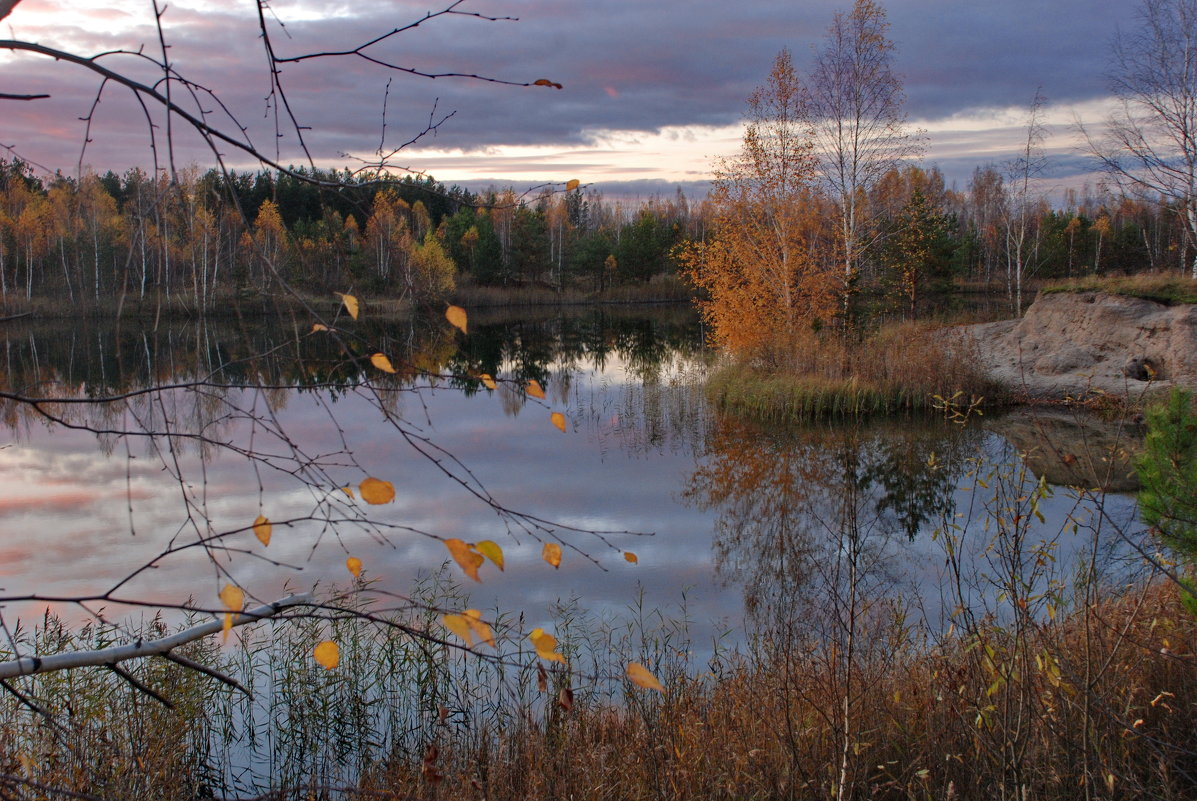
[(762, 269)]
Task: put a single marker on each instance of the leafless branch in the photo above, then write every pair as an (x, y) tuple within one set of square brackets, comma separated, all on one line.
[(27, 666)]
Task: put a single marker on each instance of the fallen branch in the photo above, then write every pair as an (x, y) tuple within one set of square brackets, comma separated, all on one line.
[(29, 665)]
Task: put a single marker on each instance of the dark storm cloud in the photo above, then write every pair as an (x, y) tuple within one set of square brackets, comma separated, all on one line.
[(626, 65), (961, 55)]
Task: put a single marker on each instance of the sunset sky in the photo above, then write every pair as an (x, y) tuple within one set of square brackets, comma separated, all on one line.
[(653, 91)]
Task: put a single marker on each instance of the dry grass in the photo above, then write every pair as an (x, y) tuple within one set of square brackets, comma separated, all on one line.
[(1104, 698), (903, 367), (1103, 704), (1168, 288)]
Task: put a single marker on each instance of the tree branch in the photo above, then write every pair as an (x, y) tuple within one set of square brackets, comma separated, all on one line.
[(29, 665)]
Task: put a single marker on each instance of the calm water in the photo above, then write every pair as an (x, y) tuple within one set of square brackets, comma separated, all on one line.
[(723, 517)]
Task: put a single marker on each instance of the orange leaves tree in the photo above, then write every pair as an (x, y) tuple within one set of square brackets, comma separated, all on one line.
[(761, 270)]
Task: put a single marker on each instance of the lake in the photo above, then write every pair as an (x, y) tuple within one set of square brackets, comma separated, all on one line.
[(147, 501)]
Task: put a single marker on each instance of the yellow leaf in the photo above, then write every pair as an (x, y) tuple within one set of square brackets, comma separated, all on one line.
[(319, 327), (351, 304), (487, 381), (558, 420), (457, 317), (380, 361), (551, 553), (642, 678), (327, 654), (376, 491), (459, 626), (348, 491), (630, 557), (546, 646), (480, 626), (572, 185), (491, 551), (262, 529), (232, 597), (534, 389), (547, 82), (227, 626), (463, 555), (355, 566)]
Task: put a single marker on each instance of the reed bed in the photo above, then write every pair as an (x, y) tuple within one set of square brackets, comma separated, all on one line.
[(1099, 703), (901, 368)]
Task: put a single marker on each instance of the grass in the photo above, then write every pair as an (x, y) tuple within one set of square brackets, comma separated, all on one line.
[(1103, 696), (1167, 288), (901, 368)]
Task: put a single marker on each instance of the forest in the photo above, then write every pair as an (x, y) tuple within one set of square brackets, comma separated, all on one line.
[(101, 240)]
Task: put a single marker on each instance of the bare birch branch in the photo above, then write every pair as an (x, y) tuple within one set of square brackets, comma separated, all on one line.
[(29, 665)]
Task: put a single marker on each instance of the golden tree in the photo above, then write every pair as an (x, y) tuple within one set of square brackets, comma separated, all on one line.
[(760, 269)]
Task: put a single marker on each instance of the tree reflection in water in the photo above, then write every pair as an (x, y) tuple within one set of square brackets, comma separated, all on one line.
[(789, 500)]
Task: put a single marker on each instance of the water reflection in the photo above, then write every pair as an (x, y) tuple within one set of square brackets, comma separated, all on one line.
[(781, 497), (266, 420), (207, 425)]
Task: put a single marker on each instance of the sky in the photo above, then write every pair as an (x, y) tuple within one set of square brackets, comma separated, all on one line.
[(653, 92)]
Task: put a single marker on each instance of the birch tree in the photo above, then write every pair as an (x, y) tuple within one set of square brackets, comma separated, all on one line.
[(854, 107), (1149, 146), (1021, 209), (763, 278)]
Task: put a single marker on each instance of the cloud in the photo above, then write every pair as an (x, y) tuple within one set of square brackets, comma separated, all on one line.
[(626, 65)]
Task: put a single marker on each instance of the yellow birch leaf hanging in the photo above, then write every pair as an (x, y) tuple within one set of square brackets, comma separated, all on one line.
[(491, 551), (642, 678), (551, 553), (459, 626), (376, 491), (354, 565), (630, 557), (457, 317), (558, 420), (262, 529), (232, 597), (481, 627), (487, 381), (381, 361), (534, 389), (572, 185), (327, 654), (351, 304), (462, 554), (546, 646)]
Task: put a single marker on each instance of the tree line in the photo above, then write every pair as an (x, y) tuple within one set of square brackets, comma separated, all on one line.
[(825, 206), (208, 237)]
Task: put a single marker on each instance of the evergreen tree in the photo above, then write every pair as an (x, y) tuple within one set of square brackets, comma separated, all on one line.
[(1167, 470)]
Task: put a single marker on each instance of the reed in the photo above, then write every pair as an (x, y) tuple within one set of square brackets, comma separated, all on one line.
[(903, 367), (1112, 685)]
